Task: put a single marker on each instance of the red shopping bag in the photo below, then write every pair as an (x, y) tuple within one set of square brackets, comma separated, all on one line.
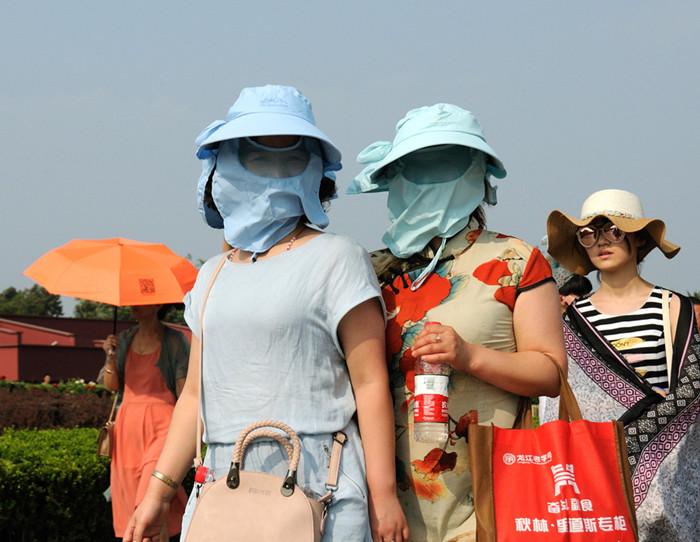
[(564, 481)]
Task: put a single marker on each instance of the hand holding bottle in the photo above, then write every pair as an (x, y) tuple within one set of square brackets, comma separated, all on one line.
[(439, 343), (430, 400)]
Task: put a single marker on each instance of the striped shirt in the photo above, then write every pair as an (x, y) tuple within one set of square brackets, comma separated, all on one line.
[(638, 336)]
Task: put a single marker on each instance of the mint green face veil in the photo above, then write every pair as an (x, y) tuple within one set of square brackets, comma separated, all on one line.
[(433, 193)]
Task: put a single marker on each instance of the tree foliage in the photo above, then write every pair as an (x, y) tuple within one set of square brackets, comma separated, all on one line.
[(34, 301), (101, 311)]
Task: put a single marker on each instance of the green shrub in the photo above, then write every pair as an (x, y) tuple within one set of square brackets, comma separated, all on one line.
[(51, 487)]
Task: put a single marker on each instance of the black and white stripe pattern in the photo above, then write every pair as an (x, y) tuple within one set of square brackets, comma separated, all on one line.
[(638, 336)]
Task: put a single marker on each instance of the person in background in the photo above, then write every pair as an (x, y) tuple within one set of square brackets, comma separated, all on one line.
[(147, 366), (493, 295), (47, 378), (620, 364), (570, 285), (577, 286), (293, 321)]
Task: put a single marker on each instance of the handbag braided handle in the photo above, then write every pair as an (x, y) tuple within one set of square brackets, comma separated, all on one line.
[(242, 441), (259, 429), (267, 433)]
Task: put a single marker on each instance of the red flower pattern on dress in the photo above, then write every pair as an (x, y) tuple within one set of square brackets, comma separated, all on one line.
[(471, 417), (406, 307), (435, 462), (394, 342), (504, 273), (411, 305), (430, 490)]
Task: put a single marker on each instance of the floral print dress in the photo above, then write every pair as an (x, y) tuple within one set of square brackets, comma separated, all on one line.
[(473, 288)]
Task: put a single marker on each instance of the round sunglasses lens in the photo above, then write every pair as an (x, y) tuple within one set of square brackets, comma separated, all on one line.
[(613, 234), (587, 237)]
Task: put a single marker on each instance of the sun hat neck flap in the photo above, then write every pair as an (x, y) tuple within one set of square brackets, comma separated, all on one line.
[(439, 124), (620, 207), (267, 111)]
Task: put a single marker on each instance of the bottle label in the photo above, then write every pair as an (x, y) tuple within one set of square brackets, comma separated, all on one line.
[(430, 399)]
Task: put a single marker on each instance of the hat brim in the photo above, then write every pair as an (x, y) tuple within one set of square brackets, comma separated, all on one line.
[(271, 124), (430, 139), (565, 248)]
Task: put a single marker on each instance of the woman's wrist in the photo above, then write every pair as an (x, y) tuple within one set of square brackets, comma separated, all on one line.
[(158, 491)]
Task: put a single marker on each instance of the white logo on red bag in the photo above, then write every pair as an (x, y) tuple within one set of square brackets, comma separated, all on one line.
[(564, 476), (527, 459)]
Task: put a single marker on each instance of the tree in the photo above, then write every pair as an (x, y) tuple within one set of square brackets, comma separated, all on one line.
[(34, 301), (101, 311)]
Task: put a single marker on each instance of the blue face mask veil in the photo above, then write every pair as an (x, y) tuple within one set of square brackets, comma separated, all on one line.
[(262, 203)]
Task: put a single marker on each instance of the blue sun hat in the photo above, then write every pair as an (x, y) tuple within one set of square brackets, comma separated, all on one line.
[(267, 111), (439, 124), (260, 111)]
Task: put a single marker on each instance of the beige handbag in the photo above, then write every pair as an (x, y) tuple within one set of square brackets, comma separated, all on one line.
[(105, 438), (250, 505)]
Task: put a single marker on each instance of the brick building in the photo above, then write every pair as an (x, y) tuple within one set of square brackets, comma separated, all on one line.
[(31, 346)]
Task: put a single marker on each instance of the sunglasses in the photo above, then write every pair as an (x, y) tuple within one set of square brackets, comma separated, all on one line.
[(588, 235)]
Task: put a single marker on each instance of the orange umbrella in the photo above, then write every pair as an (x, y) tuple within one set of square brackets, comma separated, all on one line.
[(115, 271)]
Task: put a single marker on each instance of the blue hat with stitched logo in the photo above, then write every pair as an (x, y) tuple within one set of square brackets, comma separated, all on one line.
[(266, 111)]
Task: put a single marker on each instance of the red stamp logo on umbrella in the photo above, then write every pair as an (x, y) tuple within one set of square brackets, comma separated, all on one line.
[(147, 286)]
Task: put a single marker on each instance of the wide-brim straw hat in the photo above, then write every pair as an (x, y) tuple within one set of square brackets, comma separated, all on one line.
[(623, 209)]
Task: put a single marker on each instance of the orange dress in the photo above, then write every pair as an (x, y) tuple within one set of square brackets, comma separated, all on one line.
[(141, 426)]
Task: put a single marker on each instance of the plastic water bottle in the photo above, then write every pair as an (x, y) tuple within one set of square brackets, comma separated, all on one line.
[(430, 401)]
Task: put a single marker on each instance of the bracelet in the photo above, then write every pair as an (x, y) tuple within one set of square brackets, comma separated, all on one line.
[(108, 371), (166, 479)]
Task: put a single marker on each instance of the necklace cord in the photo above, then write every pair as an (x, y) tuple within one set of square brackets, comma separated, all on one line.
[(296, 233)]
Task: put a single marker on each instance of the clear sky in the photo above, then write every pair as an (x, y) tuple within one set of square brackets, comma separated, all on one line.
[(100, 103)]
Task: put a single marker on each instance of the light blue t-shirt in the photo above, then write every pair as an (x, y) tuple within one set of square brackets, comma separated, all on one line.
[(271, 348)]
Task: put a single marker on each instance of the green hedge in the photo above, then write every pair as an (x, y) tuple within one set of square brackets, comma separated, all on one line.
[(51, 487)]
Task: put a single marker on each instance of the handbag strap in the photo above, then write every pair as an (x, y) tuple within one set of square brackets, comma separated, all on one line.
[(198, 439), (568, 405), (114, 408), (666, 317), (339, 438)]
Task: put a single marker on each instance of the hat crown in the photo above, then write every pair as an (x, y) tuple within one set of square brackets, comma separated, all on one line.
[(440, 117), (612, 202), (276, 99)]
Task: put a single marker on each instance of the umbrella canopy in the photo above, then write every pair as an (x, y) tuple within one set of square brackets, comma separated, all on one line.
[(116, 271)]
